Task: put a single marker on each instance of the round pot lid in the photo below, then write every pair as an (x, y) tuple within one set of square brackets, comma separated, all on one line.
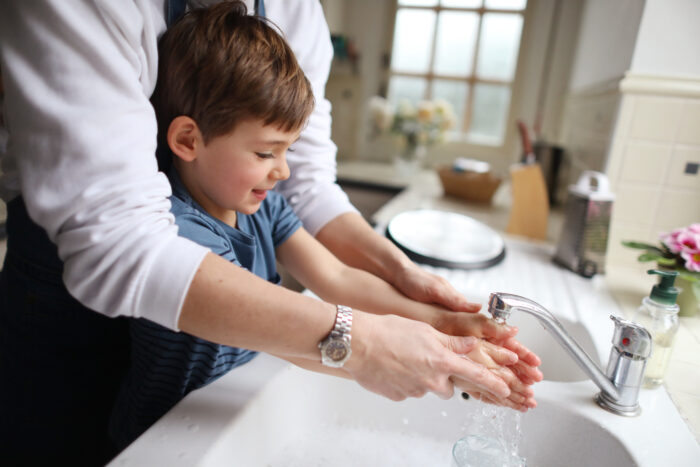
[(446, 239)]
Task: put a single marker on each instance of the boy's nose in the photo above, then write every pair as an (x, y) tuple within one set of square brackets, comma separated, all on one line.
[(281, 171)]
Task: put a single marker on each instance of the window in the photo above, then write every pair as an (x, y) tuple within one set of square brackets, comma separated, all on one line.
[(463, 51)]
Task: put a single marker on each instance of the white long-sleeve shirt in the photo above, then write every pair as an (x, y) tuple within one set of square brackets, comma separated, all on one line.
[(78, 76)]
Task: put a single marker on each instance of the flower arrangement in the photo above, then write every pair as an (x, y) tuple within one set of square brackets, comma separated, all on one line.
[(415, 125), (679, 250)]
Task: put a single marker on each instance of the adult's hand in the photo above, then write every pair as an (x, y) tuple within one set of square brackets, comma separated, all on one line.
[(479, 325), (399, 358), (420, 285), (351, 239), (500, 361)]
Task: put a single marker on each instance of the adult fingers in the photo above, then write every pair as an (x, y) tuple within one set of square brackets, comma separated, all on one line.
[(515, 400), (521, 394), (423, 286), (524, 354), (446, 390), (476, 374), (500, 355), (526, 373)]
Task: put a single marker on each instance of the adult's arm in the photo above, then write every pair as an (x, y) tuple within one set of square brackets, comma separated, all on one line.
[(393, 356)]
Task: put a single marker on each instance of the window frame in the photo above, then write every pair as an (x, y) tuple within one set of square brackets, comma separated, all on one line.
[(462, 134)]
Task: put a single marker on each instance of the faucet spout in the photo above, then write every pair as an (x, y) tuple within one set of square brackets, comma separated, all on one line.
[(620, 385)]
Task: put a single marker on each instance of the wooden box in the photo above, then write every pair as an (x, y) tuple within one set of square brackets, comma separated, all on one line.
[(472, 186)]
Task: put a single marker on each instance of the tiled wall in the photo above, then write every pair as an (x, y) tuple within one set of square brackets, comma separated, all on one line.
[(587, 130), (656, 138)]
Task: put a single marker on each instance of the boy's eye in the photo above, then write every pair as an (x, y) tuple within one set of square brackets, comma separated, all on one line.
[(265, 155)]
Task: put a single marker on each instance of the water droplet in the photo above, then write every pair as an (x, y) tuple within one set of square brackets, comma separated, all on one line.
[(405, 421), (443, 413), (193, 427), (499, 320)]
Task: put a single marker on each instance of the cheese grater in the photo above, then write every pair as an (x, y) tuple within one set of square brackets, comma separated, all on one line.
[(584, 238)]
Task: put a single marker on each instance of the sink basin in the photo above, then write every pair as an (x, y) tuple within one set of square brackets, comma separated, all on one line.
[(557, 365), (299, 418)]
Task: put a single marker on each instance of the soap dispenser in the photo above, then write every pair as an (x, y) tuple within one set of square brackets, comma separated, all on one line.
[(659, 314)]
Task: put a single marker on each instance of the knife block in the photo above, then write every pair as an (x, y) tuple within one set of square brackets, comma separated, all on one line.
[(530, 203)]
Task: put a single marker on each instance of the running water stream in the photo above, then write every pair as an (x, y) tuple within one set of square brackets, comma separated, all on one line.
[(492, 440)]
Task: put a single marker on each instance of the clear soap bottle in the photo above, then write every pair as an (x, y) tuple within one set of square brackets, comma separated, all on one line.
[(659, 314)]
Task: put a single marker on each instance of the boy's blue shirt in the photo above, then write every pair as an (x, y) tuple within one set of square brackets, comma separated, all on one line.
[(251, 245), (167, 365)]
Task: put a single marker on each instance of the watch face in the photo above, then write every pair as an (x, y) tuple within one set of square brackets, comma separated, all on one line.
[(336, 350)]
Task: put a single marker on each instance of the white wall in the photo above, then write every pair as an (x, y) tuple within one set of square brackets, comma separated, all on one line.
[(669, 39), (606, 43)]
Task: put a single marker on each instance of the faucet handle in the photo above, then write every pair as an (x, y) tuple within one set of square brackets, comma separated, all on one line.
[(631, 338)]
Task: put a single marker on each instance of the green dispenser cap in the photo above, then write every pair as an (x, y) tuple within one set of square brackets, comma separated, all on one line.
[(664, 292)]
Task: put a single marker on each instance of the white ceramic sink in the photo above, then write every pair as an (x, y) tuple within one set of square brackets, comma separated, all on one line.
[(557, 365), (299, 415), (268, 413)]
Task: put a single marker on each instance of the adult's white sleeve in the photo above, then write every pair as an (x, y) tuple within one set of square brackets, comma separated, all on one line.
[(77, 78), (311, 190)]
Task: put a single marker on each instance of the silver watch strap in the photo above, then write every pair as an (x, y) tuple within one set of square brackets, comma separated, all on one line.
[(343, 322)]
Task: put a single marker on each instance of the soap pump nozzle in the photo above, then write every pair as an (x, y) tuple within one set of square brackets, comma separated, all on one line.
[(664, 292)]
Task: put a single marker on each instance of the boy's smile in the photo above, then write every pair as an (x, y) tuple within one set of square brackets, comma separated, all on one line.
[(233, 172)]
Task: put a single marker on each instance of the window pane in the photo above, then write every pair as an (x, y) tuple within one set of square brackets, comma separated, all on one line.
[(498, 48), (454, 92), (418, 2), (413, 38), (405, 87), (489, 112), (506, 4), (456, 39), (462, 3)]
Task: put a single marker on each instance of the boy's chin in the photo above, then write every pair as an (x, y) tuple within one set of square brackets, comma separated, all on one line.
[(250, 209)]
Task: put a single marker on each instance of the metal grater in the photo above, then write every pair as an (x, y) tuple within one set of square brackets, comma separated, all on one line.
[(584, 238)]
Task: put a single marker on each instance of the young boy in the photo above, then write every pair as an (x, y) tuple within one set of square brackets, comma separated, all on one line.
[(230, 101)]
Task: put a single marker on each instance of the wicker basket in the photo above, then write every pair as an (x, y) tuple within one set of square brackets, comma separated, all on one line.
[(472, 186)]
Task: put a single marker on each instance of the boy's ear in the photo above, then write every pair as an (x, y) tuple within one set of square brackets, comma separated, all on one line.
[(184, 138)]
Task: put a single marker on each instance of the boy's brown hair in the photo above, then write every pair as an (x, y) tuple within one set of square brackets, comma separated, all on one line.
[(218, 66)]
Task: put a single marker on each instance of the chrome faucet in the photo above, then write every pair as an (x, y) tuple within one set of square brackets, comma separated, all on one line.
[(619, 385)]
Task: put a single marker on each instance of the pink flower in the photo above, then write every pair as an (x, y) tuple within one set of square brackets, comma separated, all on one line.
[(692, 260), (689, 241), (682, 239), (670, 240)]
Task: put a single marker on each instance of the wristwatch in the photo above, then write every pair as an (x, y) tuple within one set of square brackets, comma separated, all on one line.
[(335, 349)]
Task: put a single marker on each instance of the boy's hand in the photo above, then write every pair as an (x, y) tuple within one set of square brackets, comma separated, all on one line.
[(500, 361), (478, 325)]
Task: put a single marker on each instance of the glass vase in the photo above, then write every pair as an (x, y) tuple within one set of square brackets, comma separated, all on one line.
[(409, 160)]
